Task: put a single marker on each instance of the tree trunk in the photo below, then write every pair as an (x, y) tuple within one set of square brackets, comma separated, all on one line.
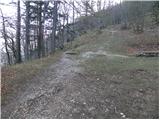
[(5, 38), (53, 41), (18, 34), (39, 29), (27, 56)]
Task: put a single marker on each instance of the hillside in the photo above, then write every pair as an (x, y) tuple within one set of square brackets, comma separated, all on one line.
[(100, 77)]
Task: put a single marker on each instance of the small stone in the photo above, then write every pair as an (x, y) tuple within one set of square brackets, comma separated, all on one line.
[(75, 110), (84, 103), (107, 110), (91, 108), (121, 113), (72, 100), (107, 100), (141, 90), (97, 78)]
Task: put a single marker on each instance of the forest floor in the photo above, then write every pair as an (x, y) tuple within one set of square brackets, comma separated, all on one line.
[(102, 79)]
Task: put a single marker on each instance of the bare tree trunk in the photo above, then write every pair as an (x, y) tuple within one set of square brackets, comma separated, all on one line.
[(73, 14), (27, 30), (44, 17), (63, 37), (73, 19), (40, 48), (5, 38), (67, 35), (86, 8), (55, 17), (12, 47), (18, 34)]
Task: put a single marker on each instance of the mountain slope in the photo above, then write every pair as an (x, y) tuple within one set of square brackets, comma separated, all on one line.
[(102, 79)]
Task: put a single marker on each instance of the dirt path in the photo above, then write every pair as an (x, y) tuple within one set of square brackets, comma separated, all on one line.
[(41, 98), (62, 91), (66, 90)]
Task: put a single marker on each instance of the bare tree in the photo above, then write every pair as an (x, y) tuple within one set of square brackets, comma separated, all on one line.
[(40, 39), (18, 34), (99, 5), (5, 37), (27, 36), (55, 17)]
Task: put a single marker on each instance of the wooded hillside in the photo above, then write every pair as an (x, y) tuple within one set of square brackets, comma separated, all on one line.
[(45, 26)]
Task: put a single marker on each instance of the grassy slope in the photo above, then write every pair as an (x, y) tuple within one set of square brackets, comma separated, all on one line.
[(135, 80), (132, 83), (14, 77)]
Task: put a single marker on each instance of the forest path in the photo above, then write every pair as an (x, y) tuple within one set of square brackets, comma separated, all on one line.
[(52, 93), (100, 81), (61, 92), (44, 97)]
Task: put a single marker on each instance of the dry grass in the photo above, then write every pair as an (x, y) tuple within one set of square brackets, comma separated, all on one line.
[(147, 41), (130, 83), (15, 76)]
